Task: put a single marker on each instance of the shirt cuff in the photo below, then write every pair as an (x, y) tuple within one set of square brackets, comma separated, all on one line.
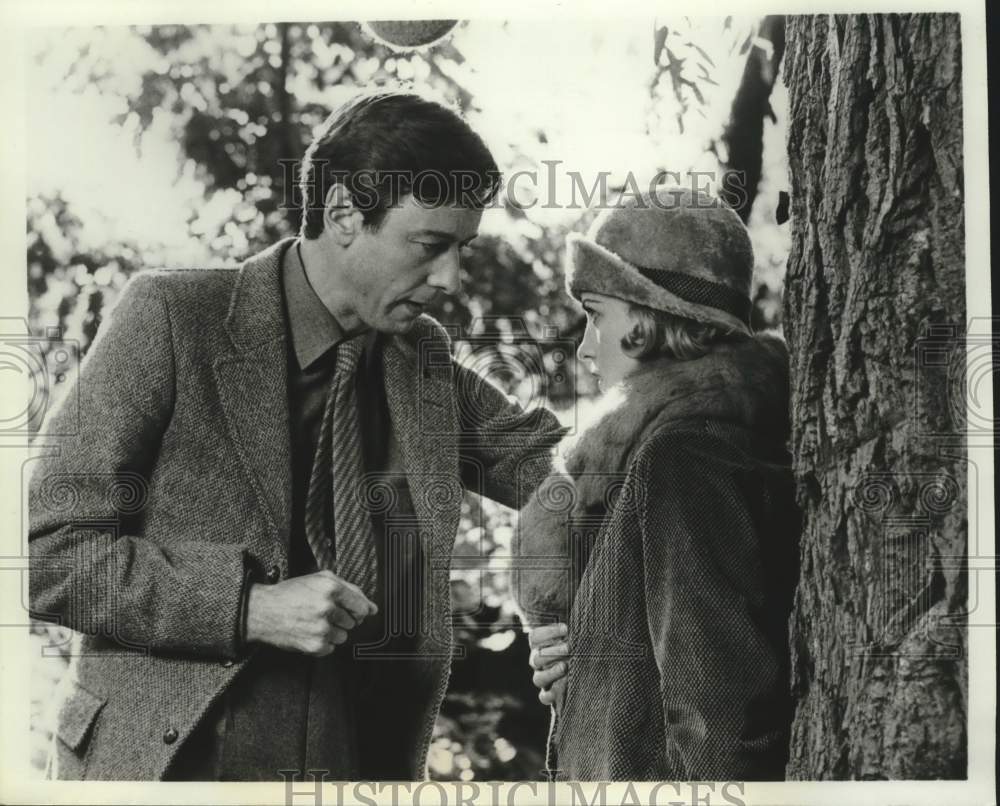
[(250, 575)]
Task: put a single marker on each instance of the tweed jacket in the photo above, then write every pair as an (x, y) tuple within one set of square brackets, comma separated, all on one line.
[(147, 521), (682, 533)]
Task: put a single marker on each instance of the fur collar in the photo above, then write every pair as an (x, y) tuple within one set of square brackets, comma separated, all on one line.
[(744, 383)]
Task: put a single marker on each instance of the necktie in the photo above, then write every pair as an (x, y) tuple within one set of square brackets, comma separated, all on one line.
[(338, 467)]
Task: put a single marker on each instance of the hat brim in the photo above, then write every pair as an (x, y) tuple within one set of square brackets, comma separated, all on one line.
[(592, 267)]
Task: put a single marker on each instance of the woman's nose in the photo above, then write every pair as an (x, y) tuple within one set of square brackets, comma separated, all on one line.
[(585, 352)]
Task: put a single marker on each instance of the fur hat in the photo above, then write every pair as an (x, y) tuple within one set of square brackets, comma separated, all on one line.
[(675, 250)]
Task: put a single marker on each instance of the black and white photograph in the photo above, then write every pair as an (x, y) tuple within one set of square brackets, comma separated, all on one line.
[(450, 403)]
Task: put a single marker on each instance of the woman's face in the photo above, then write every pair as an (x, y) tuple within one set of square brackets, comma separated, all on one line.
[(608, 321)]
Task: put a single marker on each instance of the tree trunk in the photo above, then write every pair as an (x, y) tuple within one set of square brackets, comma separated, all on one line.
[(743, 136), (874, 314)]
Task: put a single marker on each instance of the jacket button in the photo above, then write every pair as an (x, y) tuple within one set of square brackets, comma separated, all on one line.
[(169, 736), (273, 574)]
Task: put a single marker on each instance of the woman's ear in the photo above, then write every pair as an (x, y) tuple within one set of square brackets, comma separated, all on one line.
[(341, 219)]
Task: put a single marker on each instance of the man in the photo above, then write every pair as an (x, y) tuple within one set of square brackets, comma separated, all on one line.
[(253, 524)]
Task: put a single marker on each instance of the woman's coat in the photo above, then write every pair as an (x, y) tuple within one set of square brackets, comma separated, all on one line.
[(679, 548)]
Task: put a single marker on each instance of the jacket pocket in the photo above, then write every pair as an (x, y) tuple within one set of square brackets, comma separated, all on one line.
[(77, 715)]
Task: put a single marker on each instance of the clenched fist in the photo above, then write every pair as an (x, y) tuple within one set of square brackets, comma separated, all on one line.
[(311, 614)]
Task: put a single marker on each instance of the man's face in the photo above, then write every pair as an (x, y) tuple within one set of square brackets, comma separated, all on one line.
[(394, 273)]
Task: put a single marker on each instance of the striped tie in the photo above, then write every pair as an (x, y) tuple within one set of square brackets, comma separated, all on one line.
[(337, 471)]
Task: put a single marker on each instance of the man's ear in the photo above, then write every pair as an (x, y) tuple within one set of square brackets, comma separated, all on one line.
[(340, 217)]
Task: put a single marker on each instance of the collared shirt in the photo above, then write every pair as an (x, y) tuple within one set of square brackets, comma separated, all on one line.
[(313, 331), (313, 334)]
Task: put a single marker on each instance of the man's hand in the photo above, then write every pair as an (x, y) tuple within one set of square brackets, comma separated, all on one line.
[(549, 658), (310, 614)]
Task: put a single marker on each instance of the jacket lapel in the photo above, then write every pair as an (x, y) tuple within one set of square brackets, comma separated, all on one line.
[(253, 384), (422, 410)]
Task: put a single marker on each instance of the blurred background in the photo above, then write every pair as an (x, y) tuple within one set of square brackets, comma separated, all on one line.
[(174, 146)]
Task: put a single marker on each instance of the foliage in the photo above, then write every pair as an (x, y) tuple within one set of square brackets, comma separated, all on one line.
[(684, 66)]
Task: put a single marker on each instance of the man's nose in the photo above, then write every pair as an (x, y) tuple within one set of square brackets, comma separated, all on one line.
[(447, 272)]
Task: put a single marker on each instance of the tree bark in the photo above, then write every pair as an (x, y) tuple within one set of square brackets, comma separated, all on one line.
[(874, 314)]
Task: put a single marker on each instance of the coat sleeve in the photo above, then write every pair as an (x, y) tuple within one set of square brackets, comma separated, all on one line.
[(505, 449), (90, 567), (547, 571), (721, 679)]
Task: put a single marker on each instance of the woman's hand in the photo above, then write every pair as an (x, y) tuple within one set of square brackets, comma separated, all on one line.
[(550, 660)]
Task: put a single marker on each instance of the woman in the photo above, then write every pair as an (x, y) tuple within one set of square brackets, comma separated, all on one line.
[(681, 529)]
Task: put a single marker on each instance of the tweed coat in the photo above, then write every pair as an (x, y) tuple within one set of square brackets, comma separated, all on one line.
[(682, 531), (148, 520)]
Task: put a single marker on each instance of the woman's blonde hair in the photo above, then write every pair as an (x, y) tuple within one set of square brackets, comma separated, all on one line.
[(657, 333)]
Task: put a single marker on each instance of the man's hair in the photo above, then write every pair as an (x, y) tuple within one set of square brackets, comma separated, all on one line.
[(386, 145), (657, 333)]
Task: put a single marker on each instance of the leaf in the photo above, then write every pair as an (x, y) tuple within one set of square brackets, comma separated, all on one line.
[(704, 55), (659, 40), (706, 77)]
